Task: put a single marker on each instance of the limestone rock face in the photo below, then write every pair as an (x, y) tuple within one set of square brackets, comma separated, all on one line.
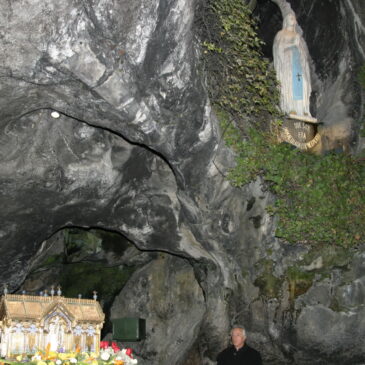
[(172, 303), (112, 65), (137, 150)]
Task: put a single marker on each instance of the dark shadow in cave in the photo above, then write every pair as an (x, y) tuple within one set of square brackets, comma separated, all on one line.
[(269, 21), (84, 260)]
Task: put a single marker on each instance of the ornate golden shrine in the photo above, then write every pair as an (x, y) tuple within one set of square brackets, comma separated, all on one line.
[(29, 323)]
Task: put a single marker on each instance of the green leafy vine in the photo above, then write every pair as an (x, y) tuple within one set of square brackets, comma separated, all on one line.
[(320, 199)]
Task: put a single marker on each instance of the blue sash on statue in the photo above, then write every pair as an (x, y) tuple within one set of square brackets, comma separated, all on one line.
[(297, 75)]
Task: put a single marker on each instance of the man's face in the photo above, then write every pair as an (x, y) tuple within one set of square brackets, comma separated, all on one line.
[(238, 339)]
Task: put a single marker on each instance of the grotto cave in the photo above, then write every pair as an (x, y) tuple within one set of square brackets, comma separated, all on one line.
[(116, 175)]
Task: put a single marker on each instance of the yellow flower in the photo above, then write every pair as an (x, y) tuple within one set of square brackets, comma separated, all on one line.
[(48, 348), (18, 358), (66, 355), (52, 355), (94, 362), (41, 363), (63, 356)]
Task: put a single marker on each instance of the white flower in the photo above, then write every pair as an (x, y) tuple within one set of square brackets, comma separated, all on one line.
[(134, 361), (73, 360), (36, 358), (58, 362), (105, 356)]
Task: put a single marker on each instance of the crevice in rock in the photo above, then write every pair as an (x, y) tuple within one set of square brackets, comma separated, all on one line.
[(118, 134)]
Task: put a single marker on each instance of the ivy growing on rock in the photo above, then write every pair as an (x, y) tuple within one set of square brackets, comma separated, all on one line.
[(361, 76), (240, 79), (320, 199), (361, 80)]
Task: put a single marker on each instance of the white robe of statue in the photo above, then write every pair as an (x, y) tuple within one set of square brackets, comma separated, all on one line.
[(56, 334), (284, 42)]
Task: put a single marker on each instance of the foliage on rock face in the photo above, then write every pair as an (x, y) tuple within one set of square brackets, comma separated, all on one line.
[(93, 241), (85, 277), (268, 283), (319, 198), (361, 79), (316, 264), (83, 266), (240, 79), (76, 239), (85, 273), (298, 280), (361, 76)]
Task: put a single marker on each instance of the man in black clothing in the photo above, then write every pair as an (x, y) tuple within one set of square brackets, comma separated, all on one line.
[(239, 353)]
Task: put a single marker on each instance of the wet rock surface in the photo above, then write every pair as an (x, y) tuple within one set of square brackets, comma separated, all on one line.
[(137, 151)]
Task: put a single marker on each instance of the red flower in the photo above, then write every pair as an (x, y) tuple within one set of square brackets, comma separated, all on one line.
[(104, 344), (115, 347), (129, 352)]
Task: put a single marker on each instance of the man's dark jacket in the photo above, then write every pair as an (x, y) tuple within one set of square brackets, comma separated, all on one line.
[(246, 355)]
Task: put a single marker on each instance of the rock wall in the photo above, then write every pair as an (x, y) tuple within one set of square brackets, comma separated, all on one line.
[(137, 150), (172, 303)]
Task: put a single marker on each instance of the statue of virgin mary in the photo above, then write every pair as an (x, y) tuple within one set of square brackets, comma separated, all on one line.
[(292, 68)]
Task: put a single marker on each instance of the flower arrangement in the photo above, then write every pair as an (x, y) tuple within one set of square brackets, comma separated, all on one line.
[(109, 355)]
